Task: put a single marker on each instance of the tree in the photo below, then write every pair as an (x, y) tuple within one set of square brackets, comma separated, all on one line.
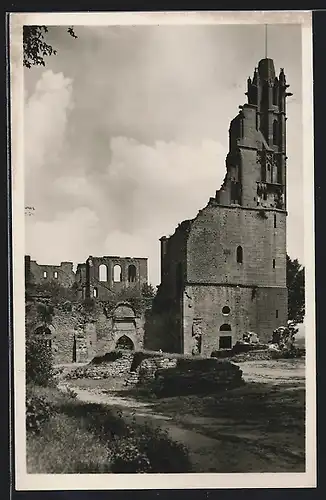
[(35, 47), (148, 291), (295, 281)]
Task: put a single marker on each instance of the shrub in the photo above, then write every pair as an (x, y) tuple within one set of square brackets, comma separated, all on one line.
[(225, 353), (164, 454), (38, 411), (108, 357), (126, 457), (148, 449), (39, 361)]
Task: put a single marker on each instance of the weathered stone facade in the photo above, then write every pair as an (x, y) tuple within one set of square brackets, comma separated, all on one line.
[(39, 274), (224, 272), (89, 324), (104, 277)]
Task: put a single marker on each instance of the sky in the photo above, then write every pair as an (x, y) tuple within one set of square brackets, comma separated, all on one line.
[(126, 134)]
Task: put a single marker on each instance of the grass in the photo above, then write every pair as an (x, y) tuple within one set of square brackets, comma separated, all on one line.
[(85, 437), (66, 446)]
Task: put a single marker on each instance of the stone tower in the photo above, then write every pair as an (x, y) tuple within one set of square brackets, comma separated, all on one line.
[(224, 272), (256, 162)]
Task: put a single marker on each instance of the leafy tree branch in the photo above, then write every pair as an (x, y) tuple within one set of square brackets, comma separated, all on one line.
[(35, 46)]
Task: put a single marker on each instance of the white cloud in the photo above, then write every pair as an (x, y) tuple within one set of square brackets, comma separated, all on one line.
[(153, 188), (158, 186), (45, 123), (145, 192), (65, 238)]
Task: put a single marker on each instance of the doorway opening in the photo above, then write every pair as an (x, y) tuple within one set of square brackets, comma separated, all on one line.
[(126, 343)]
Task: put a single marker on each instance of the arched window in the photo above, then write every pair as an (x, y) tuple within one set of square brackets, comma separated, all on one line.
[(117, 273), (273, 263), (42, 330), (239, 255), (46, 335), (274, 173), (103, 272), (55, 274), (45, 274), (95, 293), (225, 328), (274, 220), (275, 132), (131, 273)]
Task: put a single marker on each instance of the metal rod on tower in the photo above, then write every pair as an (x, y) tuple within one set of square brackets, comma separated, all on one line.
[(265, 41)]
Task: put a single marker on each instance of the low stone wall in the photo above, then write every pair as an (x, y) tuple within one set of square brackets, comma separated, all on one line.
[(174, 376), (149, 366), (164, 373), (206, 378), (110, 369)]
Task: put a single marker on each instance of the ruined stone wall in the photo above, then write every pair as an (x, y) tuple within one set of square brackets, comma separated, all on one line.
[(248, 309), (174, 262), (41, 274), (218, 231), (72, 337), (163, 329), (108, 336), (101, 275), (78, 334), (164, 324)]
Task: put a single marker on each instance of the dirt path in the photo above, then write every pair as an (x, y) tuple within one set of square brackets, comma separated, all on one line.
[(207, 454), (231, 448), (280, 372)]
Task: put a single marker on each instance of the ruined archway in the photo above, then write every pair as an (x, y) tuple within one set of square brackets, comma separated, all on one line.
[(124, 326), (125, 342), (46, 333)]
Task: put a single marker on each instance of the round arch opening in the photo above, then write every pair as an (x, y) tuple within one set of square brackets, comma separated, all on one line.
[(42, 330)]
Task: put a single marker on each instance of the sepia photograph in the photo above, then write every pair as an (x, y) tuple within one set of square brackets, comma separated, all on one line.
[(163, 260)]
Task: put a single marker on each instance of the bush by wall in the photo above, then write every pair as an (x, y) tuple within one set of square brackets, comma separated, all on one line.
[(148, 449), (38, 411), (107, 358), (39, 361)]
